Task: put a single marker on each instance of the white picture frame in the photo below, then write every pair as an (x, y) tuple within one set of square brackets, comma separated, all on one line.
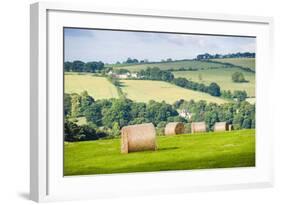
[(46, 178)]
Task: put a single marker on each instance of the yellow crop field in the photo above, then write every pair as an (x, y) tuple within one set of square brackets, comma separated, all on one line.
[(97, 87), (145, 90)]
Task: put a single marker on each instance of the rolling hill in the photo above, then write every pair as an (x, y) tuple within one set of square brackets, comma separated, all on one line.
[(145, 90), (186, 64), (97, 87), (222, 77), (243, 62)]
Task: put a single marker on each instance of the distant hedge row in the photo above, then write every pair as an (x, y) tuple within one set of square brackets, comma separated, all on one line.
[(80, 66), (156, 73)]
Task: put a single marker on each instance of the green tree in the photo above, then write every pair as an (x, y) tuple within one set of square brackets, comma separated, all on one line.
[(71, 131), (119, 112), (93, 113), (86, 101), (246, 123), (78, 66), (115, 129), (238, 77), (214, 89), (67, 104), (240, 95), (75, 105), (237, 121), (67, 66), (211, 117)]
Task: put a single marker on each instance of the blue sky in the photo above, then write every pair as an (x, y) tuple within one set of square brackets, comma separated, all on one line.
[(111, 46)]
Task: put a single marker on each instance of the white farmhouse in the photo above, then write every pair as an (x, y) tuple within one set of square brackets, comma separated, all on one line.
[(134, 75), (123, 76), (185, 114)]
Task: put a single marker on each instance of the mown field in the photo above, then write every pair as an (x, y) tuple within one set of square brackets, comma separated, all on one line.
[(145, 90), (187, 64), (244, 62), (97, 87), (180, 152), (222, 77), (137, 90)]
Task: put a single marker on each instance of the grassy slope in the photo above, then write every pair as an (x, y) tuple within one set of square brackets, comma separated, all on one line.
[(181, 152), (244, 62), (173, 65), (222, 77), (98, 87), (145, 90)]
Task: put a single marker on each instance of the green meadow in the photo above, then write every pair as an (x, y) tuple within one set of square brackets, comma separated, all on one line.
[(222, 77), (244, 62), (180, 152), (186, 64)]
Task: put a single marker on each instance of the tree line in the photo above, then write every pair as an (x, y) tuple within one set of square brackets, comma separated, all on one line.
[(213, 88), (231, 55), (240, 114), (156, 73), (80, 66), (106, 117), (238, 95)]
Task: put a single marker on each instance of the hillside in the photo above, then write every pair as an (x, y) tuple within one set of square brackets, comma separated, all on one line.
[(222, 77), (97, 87), (180, 152), (243, 62), (186, 64), (207, 72), (137, 90), (145, 90)]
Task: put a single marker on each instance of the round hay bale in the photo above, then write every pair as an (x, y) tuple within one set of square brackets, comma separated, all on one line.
[(220, 127), (174, 128), (198, 127), (138, 137)]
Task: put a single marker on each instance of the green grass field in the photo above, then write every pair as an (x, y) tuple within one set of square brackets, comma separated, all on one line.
[(145, 90), (172, 65), (244, 62), (97, 87), (222, 77), (181, 152)]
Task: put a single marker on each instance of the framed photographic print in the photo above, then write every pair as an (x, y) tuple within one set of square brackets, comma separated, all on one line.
[(127, 102)]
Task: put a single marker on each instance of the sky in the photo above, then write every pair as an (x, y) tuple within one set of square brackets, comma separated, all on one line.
[(112, 46)]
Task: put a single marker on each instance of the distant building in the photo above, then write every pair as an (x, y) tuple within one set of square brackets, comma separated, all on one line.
[(123, 76), (134, 75), (185, 114)]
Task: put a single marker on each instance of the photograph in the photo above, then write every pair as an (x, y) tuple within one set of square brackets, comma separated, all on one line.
[(151, 101)]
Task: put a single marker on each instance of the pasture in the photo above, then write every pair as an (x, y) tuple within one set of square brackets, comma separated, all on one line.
[(180, 152), (244, 62), (186, 64), (97, 87), (222, 77), (145, 90)]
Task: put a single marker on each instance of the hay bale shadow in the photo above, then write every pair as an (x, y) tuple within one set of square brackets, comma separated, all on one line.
[(167, 148)]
